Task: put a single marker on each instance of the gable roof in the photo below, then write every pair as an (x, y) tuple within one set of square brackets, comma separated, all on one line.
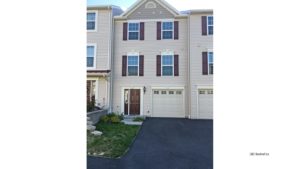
[(138, 3)]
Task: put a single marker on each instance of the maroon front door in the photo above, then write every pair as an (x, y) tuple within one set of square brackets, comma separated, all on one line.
[(132, 102), (134, 106)]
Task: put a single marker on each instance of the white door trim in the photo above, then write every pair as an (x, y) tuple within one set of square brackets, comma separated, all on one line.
[(97, 92), (141, 99)]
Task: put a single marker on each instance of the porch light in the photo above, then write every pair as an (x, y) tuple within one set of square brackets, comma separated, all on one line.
[(144, 89)]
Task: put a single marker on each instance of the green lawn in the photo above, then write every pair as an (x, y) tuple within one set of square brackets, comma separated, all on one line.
[(114, 141)]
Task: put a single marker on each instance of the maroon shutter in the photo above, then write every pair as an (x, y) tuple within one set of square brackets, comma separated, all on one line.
[(176, 29), (158, 30), (158, 65), (204, 63), (142, 30), (204, 25), (125, 30), (176, 65), (124, 65), (141, 65)]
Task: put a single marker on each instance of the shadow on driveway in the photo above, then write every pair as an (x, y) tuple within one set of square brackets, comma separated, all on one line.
[(166, 143)]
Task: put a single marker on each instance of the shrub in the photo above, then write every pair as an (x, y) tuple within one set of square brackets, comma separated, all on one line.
[(105, 119), (115, 119), (111, 118), (111, 115)]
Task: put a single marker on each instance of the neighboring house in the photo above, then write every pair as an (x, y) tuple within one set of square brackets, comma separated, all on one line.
[(99, 52), (162, 61)]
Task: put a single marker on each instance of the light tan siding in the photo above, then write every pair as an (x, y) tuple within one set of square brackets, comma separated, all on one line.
[(102, 38), (198, 44), (150, 47)]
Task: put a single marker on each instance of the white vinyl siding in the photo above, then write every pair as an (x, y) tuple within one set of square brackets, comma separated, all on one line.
[(198, 44), (150, 48)]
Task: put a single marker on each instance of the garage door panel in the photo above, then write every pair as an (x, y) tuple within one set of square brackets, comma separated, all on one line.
[(169, 104), (205, 103)]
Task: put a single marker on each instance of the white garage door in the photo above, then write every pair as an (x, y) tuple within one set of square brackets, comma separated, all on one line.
[(205, 103), (168, 103)]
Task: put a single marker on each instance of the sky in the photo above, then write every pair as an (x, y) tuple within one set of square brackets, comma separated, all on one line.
[(178, 4)]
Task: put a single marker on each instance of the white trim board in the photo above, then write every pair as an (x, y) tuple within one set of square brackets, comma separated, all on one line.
[(204, 87), (168, 88)]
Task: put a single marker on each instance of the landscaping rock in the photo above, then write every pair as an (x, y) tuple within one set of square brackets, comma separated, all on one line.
[(97, 133), (89, 123), (91, 128)]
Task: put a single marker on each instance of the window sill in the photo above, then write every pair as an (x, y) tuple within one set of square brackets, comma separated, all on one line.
[(90, 31)]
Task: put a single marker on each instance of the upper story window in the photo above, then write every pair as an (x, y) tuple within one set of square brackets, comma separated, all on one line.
[(91, 21), (133, 65), (207, 63), (210, 63), (207, 25), (167, 30), (133, 31), (167, 65), (91, 56), (210, 25)]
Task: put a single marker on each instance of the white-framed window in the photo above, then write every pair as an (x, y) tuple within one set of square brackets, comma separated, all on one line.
[(91, 18), (133, 65), (201, 91), (210, 91), (133, 31), (171, 92), (167, 30), (210, 25), (163, 92), (210, 60), (167, 66), (156, 92), (91, 56), (178, 92)]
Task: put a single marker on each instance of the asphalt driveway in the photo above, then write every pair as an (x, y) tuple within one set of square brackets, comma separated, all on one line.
[(166, 143)]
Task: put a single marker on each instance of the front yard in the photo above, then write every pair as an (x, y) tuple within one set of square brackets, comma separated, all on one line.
[(114, 142)]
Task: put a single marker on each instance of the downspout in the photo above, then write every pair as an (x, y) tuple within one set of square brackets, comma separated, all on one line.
[(111, 62), (189, 69)]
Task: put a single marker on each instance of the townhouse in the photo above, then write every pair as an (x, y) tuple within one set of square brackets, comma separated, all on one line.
[(99, 53), (160, 63)]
